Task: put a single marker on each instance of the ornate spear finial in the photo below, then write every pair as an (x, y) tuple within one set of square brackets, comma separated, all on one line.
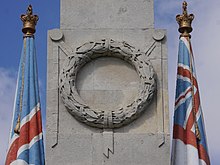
[(185, 21), (29, 22)]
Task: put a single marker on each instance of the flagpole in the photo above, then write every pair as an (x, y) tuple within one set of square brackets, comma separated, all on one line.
[(26, 135), (29, 22), (189, 144), (185, 29)]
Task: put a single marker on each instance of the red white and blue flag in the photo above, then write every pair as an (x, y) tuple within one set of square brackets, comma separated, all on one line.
[(26, 137), (189, 139)]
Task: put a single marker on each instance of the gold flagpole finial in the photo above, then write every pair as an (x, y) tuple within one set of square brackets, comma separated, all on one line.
[(185, 22), (29, 22)]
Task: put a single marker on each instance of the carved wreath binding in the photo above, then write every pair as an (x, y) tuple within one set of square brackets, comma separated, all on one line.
[(99, 118)]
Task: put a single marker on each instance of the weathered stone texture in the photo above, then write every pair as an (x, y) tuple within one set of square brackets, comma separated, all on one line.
[(107, 83), (95, 14)]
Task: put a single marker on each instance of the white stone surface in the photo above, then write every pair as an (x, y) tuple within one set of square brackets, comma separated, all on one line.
[(97, 14), (129, 149), (107, 83)]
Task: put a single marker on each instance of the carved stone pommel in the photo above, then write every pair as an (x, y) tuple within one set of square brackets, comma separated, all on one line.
[(185, 22), (29, 22)]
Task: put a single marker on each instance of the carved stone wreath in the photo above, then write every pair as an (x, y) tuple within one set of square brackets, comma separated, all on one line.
[(100, 118)]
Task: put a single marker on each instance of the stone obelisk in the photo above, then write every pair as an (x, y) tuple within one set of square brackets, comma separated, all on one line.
[(107, 96)]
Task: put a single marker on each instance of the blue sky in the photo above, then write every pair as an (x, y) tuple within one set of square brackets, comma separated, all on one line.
[(205, 41)]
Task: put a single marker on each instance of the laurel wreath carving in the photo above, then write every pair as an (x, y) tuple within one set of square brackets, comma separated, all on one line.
[(99, 118)]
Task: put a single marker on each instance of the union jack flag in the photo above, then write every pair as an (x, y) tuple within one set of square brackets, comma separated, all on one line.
[(26, 137), (189, 139)]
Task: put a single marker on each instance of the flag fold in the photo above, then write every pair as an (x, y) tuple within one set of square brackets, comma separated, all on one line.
[(26, 137), (189, 139)]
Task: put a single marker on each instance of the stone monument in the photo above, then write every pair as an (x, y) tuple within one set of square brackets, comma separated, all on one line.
[(107, 97)]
